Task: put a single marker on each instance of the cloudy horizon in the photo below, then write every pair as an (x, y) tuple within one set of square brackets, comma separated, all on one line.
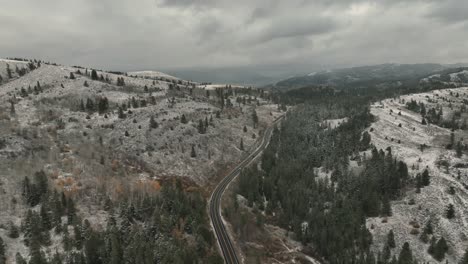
[(169, 34)]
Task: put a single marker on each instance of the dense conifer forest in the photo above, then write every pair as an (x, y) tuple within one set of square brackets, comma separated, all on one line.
[(327, 213), (142, 228)]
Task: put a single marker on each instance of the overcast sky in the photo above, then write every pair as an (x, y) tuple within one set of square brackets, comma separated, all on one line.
[(162, 34)]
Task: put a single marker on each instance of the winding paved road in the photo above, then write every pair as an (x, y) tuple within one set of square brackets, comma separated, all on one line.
[(224, 241)]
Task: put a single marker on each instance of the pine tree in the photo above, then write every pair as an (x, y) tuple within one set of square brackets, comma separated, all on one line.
[(121, 113), (440, 249), (2, 251), (428, 228), (242, 144), (46, 222), (406, 256), (425, 178), (82, 106), (13, 231), (12, 107), (254, 118), (153, 123), (459, 149), (245, 129), (450, 213), (19, 259), (85, 84), (94, 75), (193, 154), (9, 71), (72, 76), (201, 127), (183, 119), (391, 239)]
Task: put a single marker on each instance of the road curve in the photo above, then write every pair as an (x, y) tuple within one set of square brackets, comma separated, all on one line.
[(224, 241)]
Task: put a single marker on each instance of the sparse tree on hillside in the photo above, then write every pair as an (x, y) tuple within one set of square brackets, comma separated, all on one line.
[(459, 149), (121, 113), (94, 75), (425, 178), (245, 129), (12, 107), (2, 252), (193, 154), (450, 213), (72, 76), (153, 123), (183, 119), (86, 84), (9, 71), (242, 144), (391, 239), (254, 118), (201, 127), (406, 256)]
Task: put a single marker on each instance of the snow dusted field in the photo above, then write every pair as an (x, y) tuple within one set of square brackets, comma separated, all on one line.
[(430, 205)]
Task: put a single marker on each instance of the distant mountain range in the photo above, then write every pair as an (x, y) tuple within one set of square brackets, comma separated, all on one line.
[(384, 75), (295, 76)]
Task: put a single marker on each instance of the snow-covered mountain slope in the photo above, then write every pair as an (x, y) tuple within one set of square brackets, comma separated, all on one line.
[(95, 132), (402, 130)]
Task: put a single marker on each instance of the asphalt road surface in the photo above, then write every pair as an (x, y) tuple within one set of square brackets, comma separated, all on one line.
[(224, 241)]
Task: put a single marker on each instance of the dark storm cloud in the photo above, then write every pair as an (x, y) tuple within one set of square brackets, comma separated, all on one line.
[(161, 34)]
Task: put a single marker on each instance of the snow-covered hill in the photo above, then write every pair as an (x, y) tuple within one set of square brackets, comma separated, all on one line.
[(402, 130), (94, 132)]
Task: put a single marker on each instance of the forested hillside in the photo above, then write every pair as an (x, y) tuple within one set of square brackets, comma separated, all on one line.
[(321, 183)]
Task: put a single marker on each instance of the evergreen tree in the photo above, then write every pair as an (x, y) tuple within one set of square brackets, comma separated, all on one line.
[(121, 113), (459, 149), (193, 154), (254, 118), (19, 259), (425, 178), (82, 106), (153, 123), (391, 239), (94, 75), (201, 127), (9, 71), (450, 212), (183, 119), (2, 251), (46, 222), (72, 76), (241, 144), (12, 107), (13, 231), (406, 256)]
